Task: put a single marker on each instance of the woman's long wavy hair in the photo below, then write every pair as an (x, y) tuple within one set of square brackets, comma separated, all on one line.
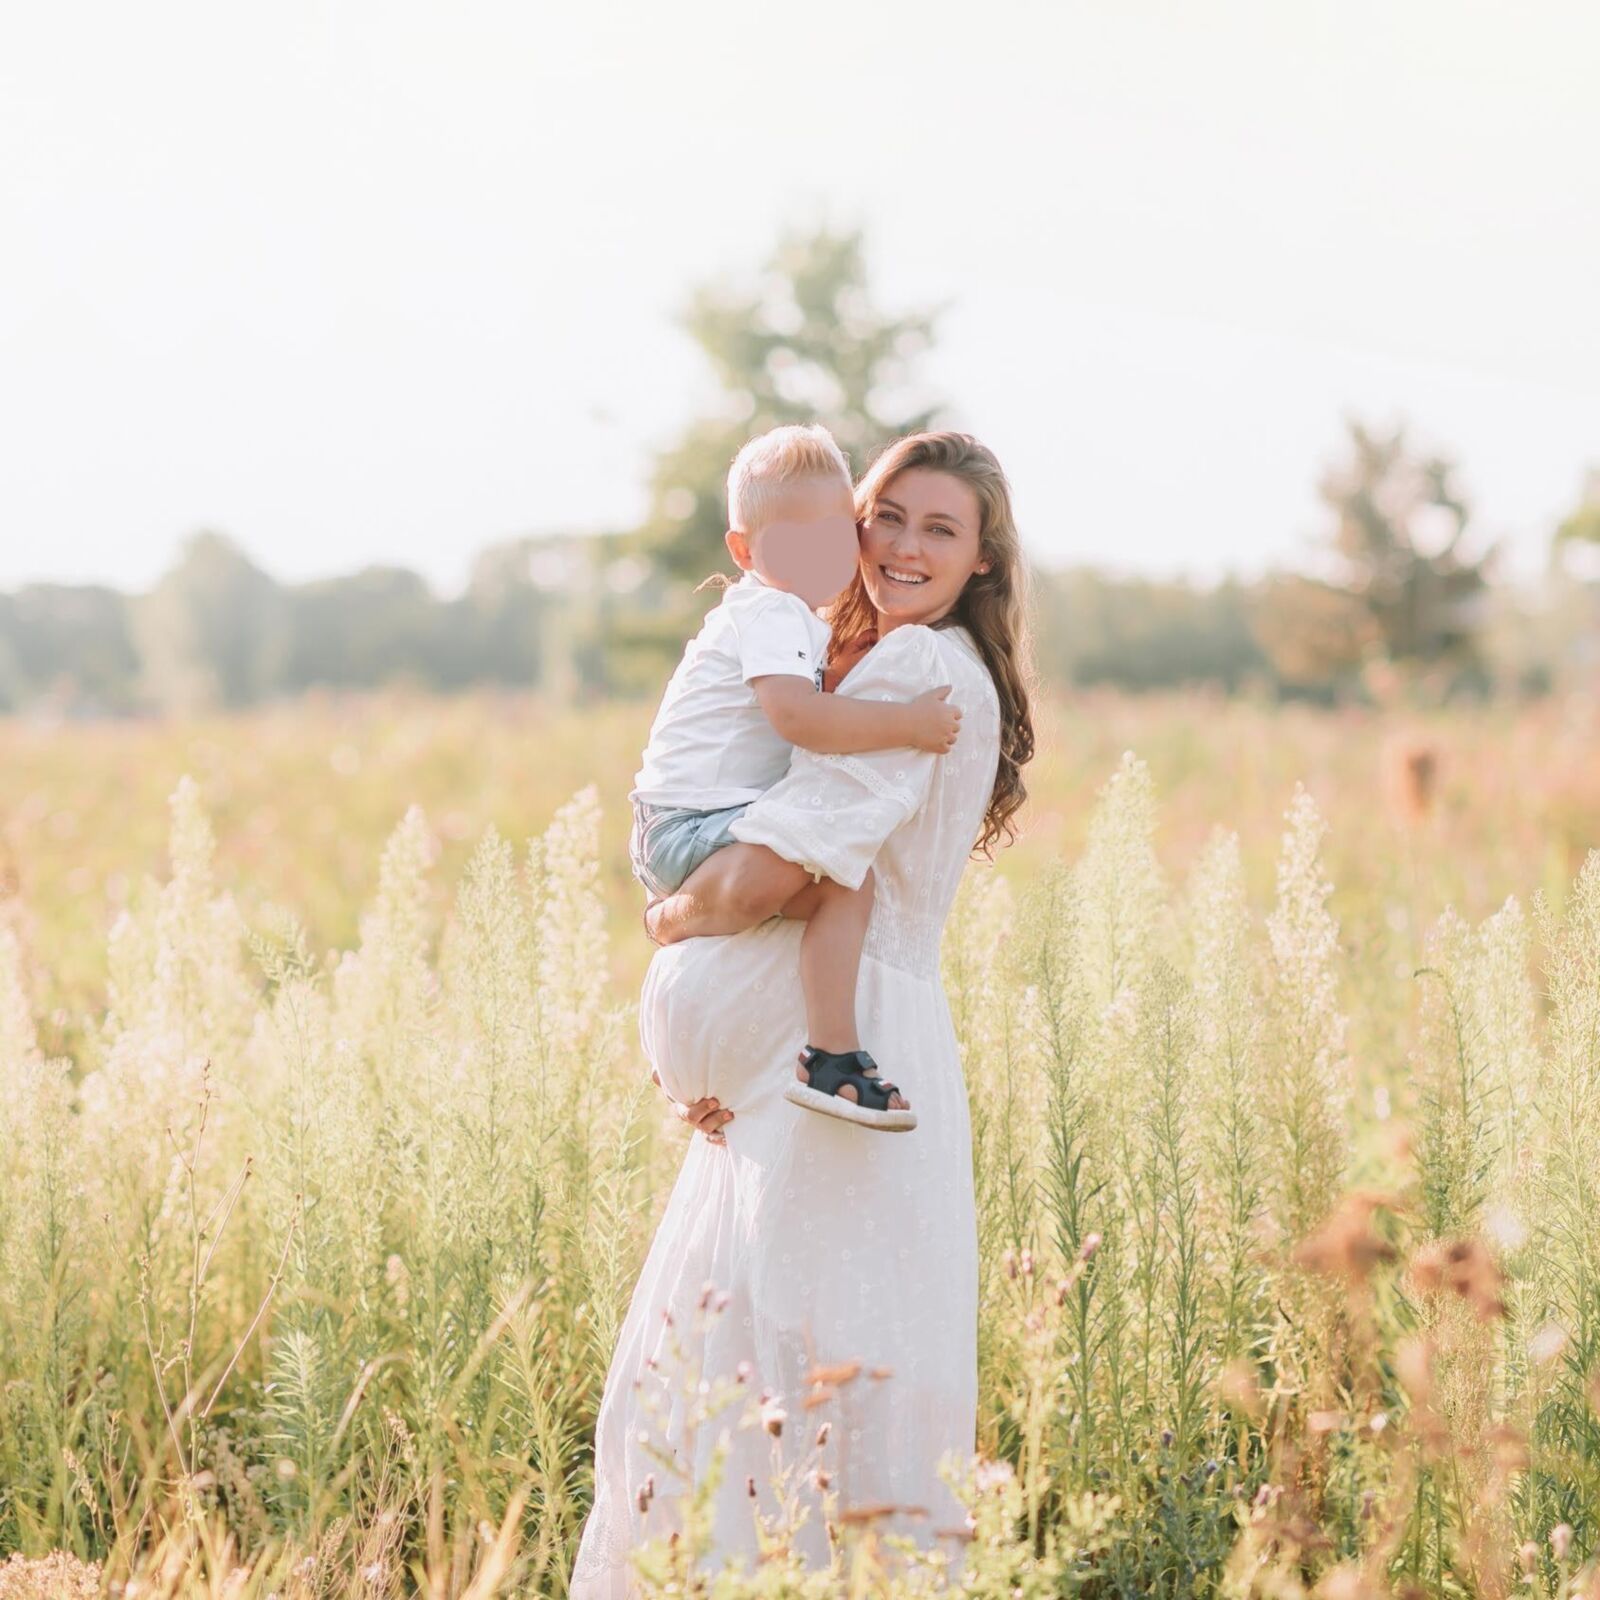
[(993, 607)]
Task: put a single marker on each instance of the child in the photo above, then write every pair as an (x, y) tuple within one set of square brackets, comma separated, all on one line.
[(747, 690)]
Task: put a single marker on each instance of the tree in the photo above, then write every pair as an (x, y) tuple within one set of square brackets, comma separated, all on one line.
[(214, 632), (1402, 586), (803, 343), (1582, 528)]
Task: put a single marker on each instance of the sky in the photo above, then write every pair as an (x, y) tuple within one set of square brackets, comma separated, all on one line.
[(359, 282)]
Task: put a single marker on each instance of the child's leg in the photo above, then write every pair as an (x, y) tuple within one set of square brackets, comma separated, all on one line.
[(734, 888), (836, 921), (830, 959)]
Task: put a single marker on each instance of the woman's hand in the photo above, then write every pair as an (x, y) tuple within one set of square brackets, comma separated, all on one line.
[(705, 1116)]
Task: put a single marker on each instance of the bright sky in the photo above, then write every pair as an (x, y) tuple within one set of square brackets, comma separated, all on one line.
[(356, 281)]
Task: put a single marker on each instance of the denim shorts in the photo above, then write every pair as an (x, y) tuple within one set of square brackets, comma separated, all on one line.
[(668, 842)]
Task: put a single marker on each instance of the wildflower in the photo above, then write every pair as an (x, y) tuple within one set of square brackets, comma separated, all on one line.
[(743, 1372), (1547, 1343), (1009, 1261), (1463, 1267), (750, 1486), (1307, 1101), (1091, 1243), (993, 1475), (1505, 1227), (1346, 1246), (821, 1479), (1413, 1365), (837, 1375), (1411, 773), (1561, 1540), (1237, 1386), (822, 1434), (856, 1516), (773, 1417)]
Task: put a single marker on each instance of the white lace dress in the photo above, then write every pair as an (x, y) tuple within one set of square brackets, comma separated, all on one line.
[(822, 1243)]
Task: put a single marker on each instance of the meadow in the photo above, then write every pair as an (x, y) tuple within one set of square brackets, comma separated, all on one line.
[(327, 1155)]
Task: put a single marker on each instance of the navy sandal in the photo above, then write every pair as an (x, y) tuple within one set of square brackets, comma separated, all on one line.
[(827, 1073)]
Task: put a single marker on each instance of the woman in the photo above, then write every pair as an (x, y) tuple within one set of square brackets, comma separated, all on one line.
[(791, 1243)]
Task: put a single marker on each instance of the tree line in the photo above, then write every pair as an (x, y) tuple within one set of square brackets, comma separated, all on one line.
[(1400, 590)]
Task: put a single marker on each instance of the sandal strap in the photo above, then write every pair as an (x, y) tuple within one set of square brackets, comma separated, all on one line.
[(829, 1072)]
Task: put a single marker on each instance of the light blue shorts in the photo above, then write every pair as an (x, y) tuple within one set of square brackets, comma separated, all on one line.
[(668, 842)]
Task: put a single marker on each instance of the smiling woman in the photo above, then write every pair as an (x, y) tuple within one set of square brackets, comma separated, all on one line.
[(940, 546), (797, 1245)]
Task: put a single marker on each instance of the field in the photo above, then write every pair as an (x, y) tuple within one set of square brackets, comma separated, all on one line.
[(327, 1154)]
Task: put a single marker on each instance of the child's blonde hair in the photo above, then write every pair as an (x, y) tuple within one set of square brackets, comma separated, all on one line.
[(767, 463)]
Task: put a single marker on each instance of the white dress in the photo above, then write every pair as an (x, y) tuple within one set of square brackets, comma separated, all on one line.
[(821, 1242)]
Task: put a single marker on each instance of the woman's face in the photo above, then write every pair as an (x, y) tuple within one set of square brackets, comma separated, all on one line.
[(919, 545)]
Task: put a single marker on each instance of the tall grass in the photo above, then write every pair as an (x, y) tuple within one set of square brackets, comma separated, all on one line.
[(311, 1263)]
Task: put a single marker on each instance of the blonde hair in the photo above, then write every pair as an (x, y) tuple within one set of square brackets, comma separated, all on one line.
[(993, 606), (768, 463)]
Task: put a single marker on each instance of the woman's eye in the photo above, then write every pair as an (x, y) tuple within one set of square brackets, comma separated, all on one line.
[(939, 527)]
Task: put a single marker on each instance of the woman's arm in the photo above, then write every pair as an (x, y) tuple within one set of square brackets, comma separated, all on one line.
[(831, 813), (841, 725)]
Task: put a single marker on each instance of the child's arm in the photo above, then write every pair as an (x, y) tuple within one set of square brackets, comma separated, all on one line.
[(836, 725)]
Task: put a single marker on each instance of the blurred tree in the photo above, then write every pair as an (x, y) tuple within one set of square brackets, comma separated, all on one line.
[(1315, 634), (1141, 633), (68, 646), (214, 631), (377, 626), (1583, 526), (1400, 587), (803, 343)]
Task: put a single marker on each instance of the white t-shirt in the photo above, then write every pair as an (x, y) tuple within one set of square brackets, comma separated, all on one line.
[(711, 744)]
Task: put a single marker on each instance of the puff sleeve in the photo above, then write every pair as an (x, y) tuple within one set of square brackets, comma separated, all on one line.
[(831, 813)]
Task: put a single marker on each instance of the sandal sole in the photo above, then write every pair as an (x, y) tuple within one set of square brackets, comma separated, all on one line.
[(830, 1105)]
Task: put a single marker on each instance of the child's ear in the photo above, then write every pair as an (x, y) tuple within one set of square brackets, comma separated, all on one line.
[(738, 547)]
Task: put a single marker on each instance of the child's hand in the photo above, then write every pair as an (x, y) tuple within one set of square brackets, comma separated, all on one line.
[(934, 722)]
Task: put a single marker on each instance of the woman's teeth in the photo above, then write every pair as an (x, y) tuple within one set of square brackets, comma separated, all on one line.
[(904, 577)]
